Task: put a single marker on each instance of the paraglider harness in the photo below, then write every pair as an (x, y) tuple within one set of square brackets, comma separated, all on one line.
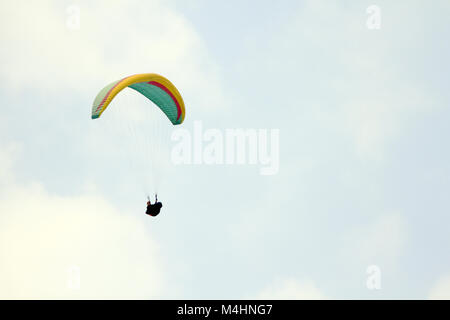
[(153, 209)]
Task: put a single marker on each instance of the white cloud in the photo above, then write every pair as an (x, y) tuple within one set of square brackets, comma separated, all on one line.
[(8, 153), (441, 289), (115, 39), (44, 235), (291, 289), (335, 64), (380, 242)]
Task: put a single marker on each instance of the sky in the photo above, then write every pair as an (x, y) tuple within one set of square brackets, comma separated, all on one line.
[(358, 208)]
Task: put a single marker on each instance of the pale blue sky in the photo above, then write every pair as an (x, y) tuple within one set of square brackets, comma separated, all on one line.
[(364, 163)]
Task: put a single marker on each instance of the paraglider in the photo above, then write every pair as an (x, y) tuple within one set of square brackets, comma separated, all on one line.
[(153, 209), (157, 89)]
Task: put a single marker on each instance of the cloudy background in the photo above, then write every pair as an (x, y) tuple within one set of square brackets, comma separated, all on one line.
[(364, 162)]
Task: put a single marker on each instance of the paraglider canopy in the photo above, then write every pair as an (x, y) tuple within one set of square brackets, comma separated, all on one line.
[(153, 86)]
